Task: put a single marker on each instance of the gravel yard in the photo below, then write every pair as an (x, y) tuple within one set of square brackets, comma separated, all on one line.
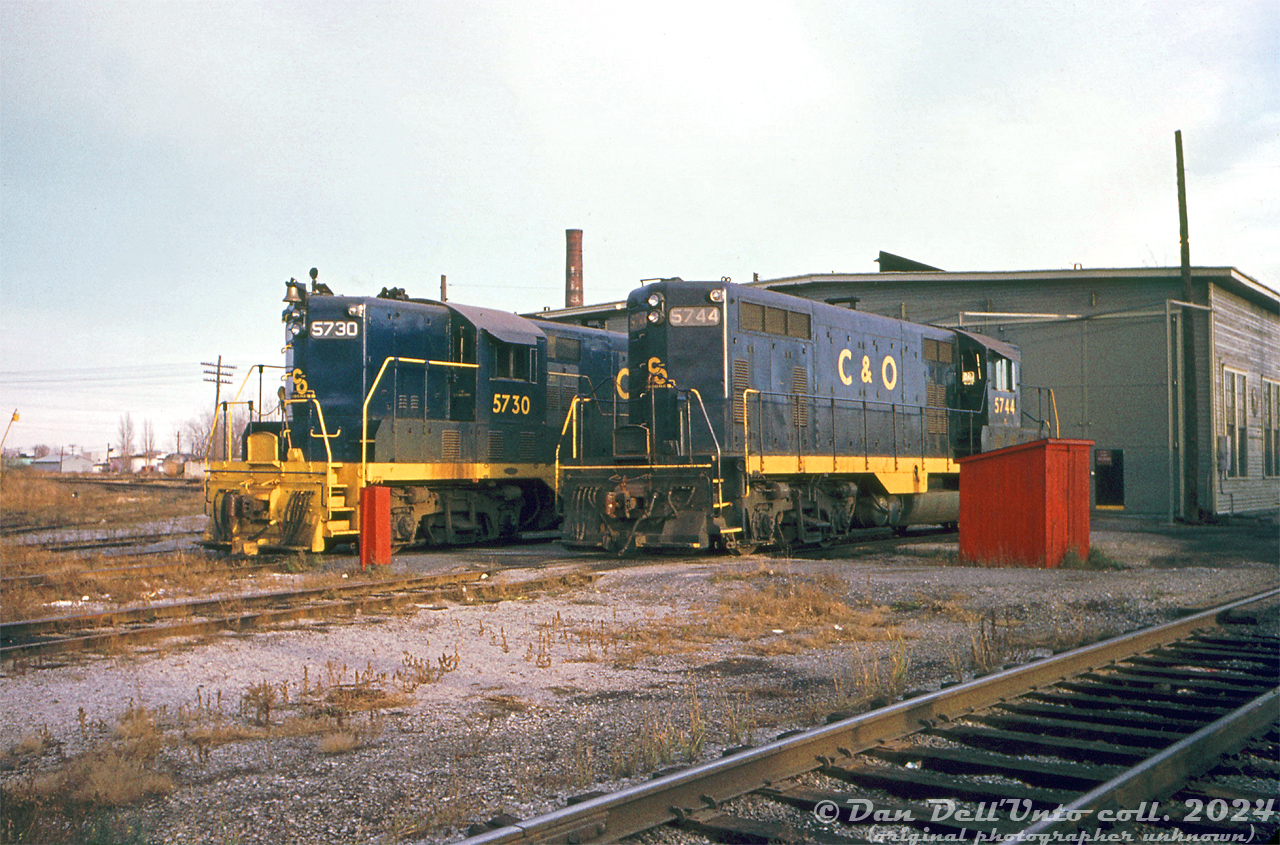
[(411, 726)]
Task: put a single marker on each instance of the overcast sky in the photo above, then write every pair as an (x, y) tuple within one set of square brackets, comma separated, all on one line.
[(166, 167)]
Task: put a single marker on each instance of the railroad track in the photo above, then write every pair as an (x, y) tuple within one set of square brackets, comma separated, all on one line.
[(136, 540), (24, 639), (1169, 727), (132, 571)]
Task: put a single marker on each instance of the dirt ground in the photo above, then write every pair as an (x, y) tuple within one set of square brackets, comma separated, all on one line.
[(411, 726)]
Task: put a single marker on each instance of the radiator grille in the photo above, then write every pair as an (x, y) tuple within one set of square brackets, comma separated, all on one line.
[(936, 414), (451, 445), (497, 446), (800, 396), (528, 446), (741, 381)]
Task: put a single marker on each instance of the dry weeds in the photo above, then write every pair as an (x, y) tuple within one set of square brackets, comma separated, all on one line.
[(30, 499)]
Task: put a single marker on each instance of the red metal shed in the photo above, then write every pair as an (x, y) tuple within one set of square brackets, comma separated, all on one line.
[(1025, 505)]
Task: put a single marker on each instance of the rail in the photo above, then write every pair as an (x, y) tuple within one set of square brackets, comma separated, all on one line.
[(708, 785)]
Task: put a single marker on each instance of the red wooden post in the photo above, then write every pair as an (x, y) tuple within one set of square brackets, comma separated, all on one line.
[(375, 526)]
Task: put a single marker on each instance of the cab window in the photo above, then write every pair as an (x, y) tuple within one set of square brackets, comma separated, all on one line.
[(1003, 376), (511, 361)]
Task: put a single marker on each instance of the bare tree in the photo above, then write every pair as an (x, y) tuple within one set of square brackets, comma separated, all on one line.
[(199, 430), (39, 450), (148, 439), (208, 437), (125, 435)]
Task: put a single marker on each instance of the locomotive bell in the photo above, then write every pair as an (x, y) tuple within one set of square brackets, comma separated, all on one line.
[(294, 292)]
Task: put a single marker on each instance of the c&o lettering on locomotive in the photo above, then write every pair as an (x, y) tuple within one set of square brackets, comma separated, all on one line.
[(510, 403), (300, 384), (658, 373), (620, 383), (888, 370)]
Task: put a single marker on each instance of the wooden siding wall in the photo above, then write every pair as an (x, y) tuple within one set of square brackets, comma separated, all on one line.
[(1246, 340)]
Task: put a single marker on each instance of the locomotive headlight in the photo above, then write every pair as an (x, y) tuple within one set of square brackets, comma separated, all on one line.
[(655, 300), (655, 317), (716, 295)]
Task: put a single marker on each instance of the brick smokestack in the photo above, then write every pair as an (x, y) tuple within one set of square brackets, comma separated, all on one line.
[(573, 268)]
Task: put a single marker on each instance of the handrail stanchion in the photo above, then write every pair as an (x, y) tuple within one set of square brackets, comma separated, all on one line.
[(746, 435), (364, 415)]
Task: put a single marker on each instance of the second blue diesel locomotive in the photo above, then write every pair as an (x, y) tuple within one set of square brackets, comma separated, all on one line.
[(457, 409), (759, 418)]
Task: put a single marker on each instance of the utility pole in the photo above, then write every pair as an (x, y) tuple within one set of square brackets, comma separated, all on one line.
[(12, 420), (1191, 439), (219, 375)]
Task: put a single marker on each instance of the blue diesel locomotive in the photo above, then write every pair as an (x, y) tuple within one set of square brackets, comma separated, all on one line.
[(457, 409), (757, 418)]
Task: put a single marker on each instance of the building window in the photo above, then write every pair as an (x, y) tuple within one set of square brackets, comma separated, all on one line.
[(1271, 428), (1235, 418)]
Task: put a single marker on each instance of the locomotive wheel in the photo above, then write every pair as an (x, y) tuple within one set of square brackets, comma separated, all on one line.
[(743, 550)]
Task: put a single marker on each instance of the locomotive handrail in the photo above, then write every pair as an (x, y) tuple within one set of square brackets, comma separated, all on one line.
[(364, 411), (235, 400), (892, 407), (324, 429), (570, 418), (720, 502), (746, 435), (1055, 429)]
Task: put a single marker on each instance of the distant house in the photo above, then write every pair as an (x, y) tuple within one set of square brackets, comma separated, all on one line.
[(62, 463), (145, 464)]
